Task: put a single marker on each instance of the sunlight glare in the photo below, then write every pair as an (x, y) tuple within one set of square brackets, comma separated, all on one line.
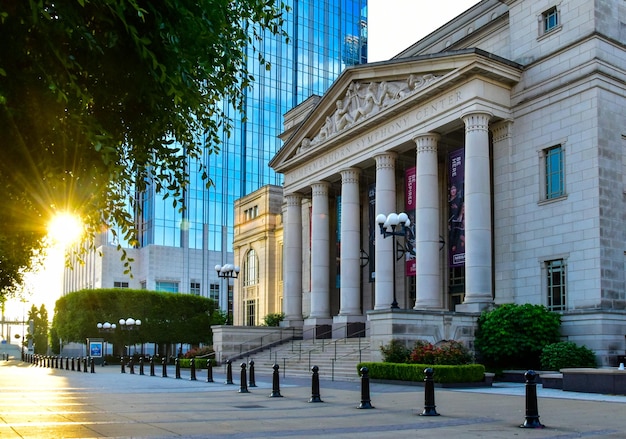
[(65, 229)]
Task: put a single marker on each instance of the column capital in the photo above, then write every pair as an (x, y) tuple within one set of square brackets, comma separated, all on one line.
[(350, 175), (502, 130), (320, 188), (293, 199), (386, 160), (426, 142), (476, 120)]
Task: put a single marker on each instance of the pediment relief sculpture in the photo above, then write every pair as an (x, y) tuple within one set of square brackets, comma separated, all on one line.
[(363, 100)]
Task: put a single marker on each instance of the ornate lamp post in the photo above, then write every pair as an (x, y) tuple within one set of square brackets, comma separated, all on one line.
[(388, 225), (227, 271), (129, 324), (105, 328)]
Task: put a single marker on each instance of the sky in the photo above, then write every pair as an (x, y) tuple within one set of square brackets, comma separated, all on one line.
[(394, 25)]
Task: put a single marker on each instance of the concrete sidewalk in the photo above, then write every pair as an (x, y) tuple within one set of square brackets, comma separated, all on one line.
[(39, 402)]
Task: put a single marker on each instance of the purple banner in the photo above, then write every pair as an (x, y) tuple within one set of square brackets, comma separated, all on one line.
[(410, 191), (456, 208)]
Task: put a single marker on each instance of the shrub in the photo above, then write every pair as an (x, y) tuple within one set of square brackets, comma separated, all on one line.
[(513, 336), (468, 373), (273, 319), (557, 356), (395, 352), (448, 352), (205, 351)]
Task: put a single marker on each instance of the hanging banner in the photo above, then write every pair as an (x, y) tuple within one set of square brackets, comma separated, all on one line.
[(338, 246), (371, 198), (456, 208), (410, 191)]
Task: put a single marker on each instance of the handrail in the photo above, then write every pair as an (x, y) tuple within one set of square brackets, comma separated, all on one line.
[(262, 346)]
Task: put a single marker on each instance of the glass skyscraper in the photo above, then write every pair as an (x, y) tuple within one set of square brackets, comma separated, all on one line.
[(326, 36)]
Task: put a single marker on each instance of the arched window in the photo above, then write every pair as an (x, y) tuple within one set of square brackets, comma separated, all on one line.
[(251, 269)]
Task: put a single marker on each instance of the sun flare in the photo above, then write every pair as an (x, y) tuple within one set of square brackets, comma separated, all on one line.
[(65, 229)]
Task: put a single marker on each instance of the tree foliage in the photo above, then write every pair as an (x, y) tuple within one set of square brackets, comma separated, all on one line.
[(40, 329), (557, 356), (98, 98), (514, 335), (165, 317)]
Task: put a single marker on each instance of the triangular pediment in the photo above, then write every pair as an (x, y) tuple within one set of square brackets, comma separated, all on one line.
[(364, 93)]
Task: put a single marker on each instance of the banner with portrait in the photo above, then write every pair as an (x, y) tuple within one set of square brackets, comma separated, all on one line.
[(456, 208), (410, 191)]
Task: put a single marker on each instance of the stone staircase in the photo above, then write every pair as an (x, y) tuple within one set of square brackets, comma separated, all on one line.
[(336, 359)]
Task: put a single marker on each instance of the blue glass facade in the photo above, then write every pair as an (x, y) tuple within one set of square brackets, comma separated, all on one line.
[(326, 36)]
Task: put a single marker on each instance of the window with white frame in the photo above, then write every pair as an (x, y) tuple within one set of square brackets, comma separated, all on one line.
[(550, 20), (120, 284), (555, 281), (251, 269), (214, 292), (250, 312), (194, 288), (552, 172), (168, 287)]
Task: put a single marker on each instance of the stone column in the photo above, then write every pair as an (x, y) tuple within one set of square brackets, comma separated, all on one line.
[(350, 243), (320, 252), (427, 220), (478, 259), (385, 203), (292, 261)]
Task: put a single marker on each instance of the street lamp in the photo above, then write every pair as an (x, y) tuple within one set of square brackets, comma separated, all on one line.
[(129, 324), (105, 328), (227, 271), (388, 225)]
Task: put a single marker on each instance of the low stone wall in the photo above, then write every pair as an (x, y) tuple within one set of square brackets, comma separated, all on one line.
[(607, 381), (229, 341)]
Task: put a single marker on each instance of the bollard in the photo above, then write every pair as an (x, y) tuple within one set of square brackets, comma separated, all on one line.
[(532, 412), (315, 385), (141, 365), (209, 371), (275, 383), (251, 378), (229, 372), (164, 364), (77, 364), (67, 363), (192, 367), (177, 364), (56, 362), (93, 364), (85, 363), (151, 366), (131, 366), (366, 403), (429, 393), (122, 363), (243, 387), (73, 368)]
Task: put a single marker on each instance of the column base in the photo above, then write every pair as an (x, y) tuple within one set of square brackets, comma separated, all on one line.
[(349, 326), (475, 307), (317, 328)]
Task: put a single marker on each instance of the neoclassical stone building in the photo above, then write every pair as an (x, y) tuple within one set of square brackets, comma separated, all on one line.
[(503, 135)]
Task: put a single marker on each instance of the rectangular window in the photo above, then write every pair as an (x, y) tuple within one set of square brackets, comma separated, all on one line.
[(554, 184), (214, 292), (555, 270), (194, 288), (120, 284), (250, 311), (143, 285), (550, 19), (168, 287)]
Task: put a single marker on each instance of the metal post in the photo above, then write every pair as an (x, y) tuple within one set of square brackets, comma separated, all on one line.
[(141, 365), (229, 372), (164, 367), (243, 387), (77, 364), (366, 402), (177, 364), (315, 385), (192, 367), (532, 411), (251, 378), (209, 371), (429, 393), (275, 383), (92, 365), (151, 366)]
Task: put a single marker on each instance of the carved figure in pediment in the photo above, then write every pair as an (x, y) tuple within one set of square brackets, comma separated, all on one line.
[(369, 103)]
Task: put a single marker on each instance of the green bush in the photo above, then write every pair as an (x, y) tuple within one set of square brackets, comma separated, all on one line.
[(468, 373), (449, 352), (513, 336), (395, 352), (273, 319), (557, 356), (201, 363)]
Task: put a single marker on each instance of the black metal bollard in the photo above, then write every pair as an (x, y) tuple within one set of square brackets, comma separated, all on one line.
[(85, 363), (429, 393), (131, 366), (315, 385), (164, 365), (67, 363), (251, 378), (78, 364), (209, 371), (92, 365), (366, 402), (243, 386), (275, 383), (192, 367), (229, 372), (151, 366), (177, 364), (122, 363), (141, 365), (73, 368), (56, 362), (532, 411)]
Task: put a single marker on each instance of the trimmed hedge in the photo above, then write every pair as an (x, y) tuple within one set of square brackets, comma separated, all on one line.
[(185, 363), (467, 373)]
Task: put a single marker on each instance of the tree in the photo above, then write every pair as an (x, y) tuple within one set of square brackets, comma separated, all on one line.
[(100, 98), (40, 324)]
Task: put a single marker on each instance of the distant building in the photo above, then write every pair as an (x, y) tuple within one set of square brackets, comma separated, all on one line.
[(503, 135), (179, 250)]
